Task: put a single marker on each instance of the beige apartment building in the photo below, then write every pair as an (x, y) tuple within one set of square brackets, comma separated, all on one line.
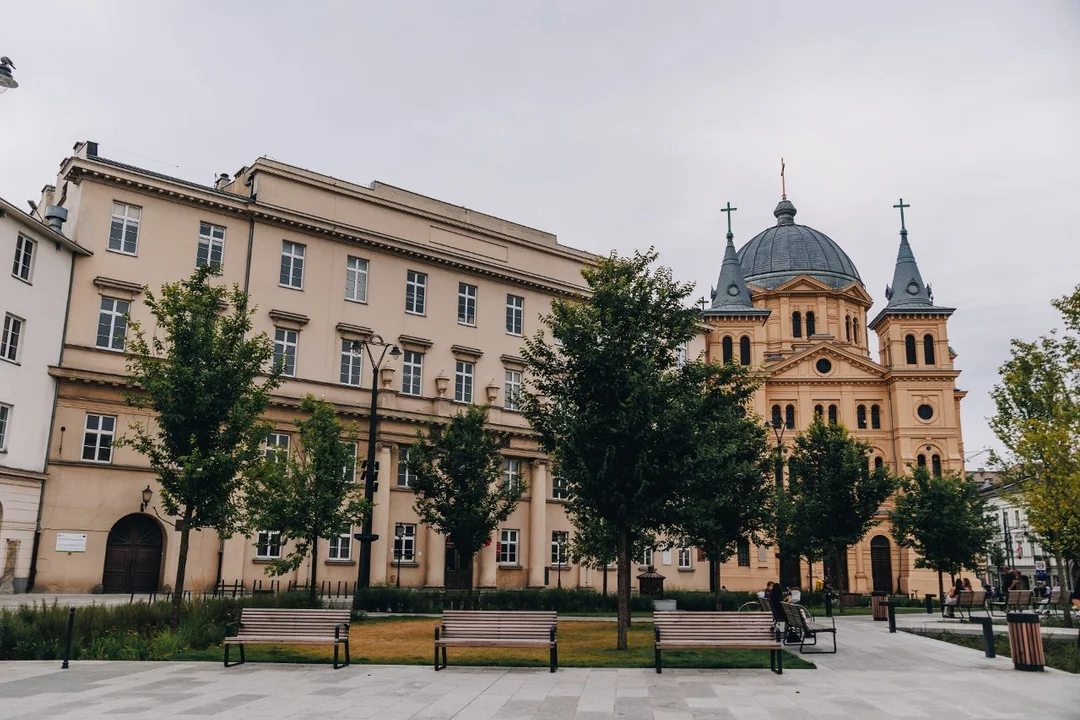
[(327, 262)]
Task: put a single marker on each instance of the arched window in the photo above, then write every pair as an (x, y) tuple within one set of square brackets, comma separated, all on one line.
[(833, 414), (855, 330), (847, 327), (819, 411), (789, 416), (928, 349), (875, 417), (878, 463), (860, 416), (935, 464), (909, 347), (776, 416), (921, 460), (796, 324), (727, 345), (744, 350), (810, 327)]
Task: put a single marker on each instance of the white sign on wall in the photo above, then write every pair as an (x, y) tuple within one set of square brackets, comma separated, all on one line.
[(70, 542), (1040, 565)]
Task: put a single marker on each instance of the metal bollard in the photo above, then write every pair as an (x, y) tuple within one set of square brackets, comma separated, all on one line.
[(929, 604), (891, 607), (67, 640), (988, 635), (828, 605)]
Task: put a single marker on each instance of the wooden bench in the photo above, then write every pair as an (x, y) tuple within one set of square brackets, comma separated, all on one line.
[(497, 628), (970, 599), (795, 618), (683, 630), (266, 626), (1014, 600), (1051, 603)]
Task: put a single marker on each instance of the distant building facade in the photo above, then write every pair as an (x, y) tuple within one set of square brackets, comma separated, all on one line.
[(1014, 544), (33, 299)]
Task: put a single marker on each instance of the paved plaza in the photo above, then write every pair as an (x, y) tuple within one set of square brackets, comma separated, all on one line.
[(875, 674)]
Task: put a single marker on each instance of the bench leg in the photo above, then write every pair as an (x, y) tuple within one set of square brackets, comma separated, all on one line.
[(226, 655), (444, 656), (657, 659), (436, 658), (242, 658), (348, 659), (336, 666), (554, 660)]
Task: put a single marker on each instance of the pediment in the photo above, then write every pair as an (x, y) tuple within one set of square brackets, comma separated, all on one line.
[(846, 365), (804, 283), (807, 285)]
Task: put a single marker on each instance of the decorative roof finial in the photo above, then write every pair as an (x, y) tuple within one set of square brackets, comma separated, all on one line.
[(903, 227), (783, 182), (729, 210)]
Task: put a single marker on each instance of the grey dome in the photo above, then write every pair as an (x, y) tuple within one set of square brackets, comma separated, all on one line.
[(786, 250)]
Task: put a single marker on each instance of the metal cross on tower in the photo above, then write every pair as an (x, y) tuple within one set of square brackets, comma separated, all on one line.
[(783, 181), (728, 210), (902, 205)]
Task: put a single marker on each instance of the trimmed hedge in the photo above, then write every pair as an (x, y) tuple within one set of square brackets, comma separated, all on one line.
[(380, 598)]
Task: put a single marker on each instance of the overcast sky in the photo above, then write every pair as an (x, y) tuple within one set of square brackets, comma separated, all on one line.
[(615, 125)]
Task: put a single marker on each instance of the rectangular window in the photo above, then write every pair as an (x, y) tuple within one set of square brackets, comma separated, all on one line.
[(404, 542), (512, 473), (512, 394), (515, 312), (24, 258), (463, 382), (647, 557), (5, 419), (268, 545), (507, 552), (9, 340), (348, 472), (292, 265), (559, 490), (340, 547), (415, 292), (285, 351), (356, 279), (681, 353), (98, 438), (277, 447), (211, 245), (412, 372), (466, 304), (684, 558), (351, 363), (404, 476), (124, 231), (112, 323), (743, 552), (560, 546)]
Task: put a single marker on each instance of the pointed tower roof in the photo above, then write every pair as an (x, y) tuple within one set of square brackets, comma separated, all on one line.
[(730, 297), (908, 294)]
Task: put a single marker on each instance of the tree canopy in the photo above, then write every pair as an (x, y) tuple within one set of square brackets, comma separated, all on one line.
[(207, 381), (309, 492)]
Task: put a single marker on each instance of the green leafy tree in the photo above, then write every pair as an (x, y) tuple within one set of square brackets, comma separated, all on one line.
[(832, 494), (727, 493), (309, 493), (207, 380), (1038, 422), (593, 546), (458, 480), (945, 520), (606, 402)]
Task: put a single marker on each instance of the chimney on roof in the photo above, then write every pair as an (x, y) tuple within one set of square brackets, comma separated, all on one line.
[(222, 180), (89, 146), (55, 217)]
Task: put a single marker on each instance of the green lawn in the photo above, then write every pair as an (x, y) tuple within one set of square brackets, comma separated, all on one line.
[(1060, 654), (409, 641)]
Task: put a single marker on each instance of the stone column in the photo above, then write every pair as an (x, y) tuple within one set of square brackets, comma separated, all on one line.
[(485, 559), (539, 542), (380, 518), (860, 569), (434, 558)]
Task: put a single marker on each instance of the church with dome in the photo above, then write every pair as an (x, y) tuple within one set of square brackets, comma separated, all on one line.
[(791, 303)]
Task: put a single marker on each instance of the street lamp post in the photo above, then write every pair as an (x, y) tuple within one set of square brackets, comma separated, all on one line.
[(785, 561), (370, 346), (399, 549), (559, 557)]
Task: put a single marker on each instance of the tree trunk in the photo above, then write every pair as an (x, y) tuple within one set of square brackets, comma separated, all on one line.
[(312, 594), (623, 588), (1065, 581), (605, 571), (181, 568), (810, 573), (714, 570), (941, 591)]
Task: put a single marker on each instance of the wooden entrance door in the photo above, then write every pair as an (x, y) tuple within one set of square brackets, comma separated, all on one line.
[(458, 570), (133, 555), (881, 563)]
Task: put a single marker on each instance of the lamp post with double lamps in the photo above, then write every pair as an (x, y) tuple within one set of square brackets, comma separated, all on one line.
[(376, 350)]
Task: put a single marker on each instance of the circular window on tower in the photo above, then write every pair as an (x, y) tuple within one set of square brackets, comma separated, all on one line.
[(824, 366), (925, 412)]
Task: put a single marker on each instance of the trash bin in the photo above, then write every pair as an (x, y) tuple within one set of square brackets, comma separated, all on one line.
[(877, 606), (1025, 641), (651, 583)]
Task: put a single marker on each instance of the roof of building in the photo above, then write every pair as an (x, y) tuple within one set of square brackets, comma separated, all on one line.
[(32, 223), (731, 296), (787, 250), (908, 294)]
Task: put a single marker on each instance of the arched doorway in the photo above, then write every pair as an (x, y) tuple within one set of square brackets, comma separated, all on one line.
[(881, 563), (133, 555)]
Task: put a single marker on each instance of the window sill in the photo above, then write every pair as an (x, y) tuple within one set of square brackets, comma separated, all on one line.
[(358, 302), (340, 562), (121, 252), (465, 324), (290, 287), (264, 560), (513, 410), (514, 334), (96, 462), (690, 569), (405, 564), (510, 566), (12, 362), (117, 351), (401, 488), (418, 314), (21, 279)]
